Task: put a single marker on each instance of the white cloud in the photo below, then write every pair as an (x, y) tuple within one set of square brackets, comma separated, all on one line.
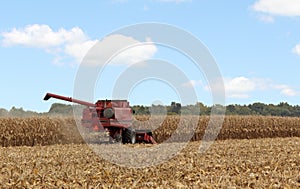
[(296, 49), (75, 43), (42, 36), (286, 90), (239, 85), (121, 50), (270, 8), (289, 92), (242, 87), (79, 50), (278, 7), (138, 52)]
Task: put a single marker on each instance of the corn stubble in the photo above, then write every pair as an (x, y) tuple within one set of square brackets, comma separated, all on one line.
[(41, 152), (256, 163)]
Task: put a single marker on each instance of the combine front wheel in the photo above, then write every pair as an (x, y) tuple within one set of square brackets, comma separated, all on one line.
[(129, 136)]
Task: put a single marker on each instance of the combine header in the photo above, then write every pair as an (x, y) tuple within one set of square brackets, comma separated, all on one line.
[(113, 116)]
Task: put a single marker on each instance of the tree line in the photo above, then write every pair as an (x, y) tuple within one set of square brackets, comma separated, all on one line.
[(55, 109), (282, 109)]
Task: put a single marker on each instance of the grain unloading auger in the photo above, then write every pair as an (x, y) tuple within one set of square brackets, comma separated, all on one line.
[(113, 116)]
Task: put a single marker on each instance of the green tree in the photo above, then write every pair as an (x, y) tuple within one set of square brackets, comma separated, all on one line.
[(3, 112), (140, 110), (63, 109), (16, 112), (258, 108), (175, 108)]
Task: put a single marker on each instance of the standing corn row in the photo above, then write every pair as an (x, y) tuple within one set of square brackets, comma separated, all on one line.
[(37, 131), (234, 127), (46, 131)]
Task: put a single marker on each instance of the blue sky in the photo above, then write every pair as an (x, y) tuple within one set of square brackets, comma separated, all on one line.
[(256, 44)]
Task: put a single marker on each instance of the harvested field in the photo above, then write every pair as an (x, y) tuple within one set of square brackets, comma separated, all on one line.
[(255, 163), (48, 131)]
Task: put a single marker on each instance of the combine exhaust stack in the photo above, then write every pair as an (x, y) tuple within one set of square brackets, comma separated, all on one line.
[(114, 116)]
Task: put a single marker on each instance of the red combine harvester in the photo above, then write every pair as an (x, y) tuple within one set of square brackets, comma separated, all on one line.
[(113, 116)]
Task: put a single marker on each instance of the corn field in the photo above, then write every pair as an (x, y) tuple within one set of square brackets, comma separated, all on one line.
[(46, 152), (47, 131), (233, 127), (38, 131)]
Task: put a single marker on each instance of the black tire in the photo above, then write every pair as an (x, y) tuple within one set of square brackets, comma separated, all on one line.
[(118, 138), (129, 136)]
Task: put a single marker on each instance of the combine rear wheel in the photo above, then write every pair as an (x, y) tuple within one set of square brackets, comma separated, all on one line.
[(129, 136)]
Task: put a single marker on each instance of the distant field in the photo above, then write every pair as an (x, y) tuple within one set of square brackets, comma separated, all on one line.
[(255, 163), (46, 131)]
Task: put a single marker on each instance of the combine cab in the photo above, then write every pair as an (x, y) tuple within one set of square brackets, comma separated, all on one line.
[(113, 116)]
